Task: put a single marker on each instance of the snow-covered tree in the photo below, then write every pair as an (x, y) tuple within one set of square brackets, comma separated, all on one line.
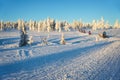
[(96, 38), (94, 25), (33, 25), (53, 24), (101, 23), (57, 26), (48, 25), (62, 41), (107, 25), (44, 26), (67, 27), (60, 25), (75, 25), (30, 40), (30, 25), (38, 29), (23, 37), (80, 24), (48, 29), (44, 41), (116, 25), (1, 25), (19, 24), (15, 25)]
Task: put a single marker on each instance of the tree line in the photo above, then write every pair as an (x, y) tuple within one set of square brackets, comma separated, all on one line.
[(50, 24)]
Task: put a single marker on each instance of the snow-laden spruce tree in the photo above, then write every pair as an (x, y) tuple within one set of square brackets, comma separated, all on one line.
[(48, 25), (101, 23), (75, 25), (62, 41), (23, 36), (19, 24), (57, 26), (116, 24), (107, 25), (44, 26), (44, 40), (30, 40), (48, 29), (1, 25), (30, 25), (60, 25), (52, 24), (33, 25), (81, 23), (40, 26), (67, 27), (8, 24), (94, 25)]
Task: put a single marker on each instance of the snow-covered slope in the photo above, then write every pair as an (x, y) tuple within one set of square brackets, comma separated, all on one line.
[(82, 58)]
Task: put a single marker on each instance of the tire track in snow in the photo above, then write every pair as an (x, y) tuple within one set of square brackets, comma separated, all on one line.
[(69, 64), (99, 67), (54, 58), (107, 70)]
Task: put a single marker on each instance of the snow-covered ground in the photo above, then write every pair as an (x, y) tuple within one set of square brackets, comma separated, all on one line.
[(82, 58)]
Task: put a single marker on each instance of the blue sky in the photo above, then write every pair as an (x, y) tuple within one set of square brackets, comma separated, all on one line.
[(87, 10)]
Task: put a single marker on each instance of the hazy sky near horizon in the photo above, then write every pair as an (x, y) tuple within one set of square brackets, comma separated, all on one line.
[(87, 10)]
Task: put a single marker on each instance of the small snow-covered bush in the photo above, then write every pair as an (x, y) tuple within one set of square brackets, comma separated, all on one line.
[(44, 41), (62, 41), (30, 40)]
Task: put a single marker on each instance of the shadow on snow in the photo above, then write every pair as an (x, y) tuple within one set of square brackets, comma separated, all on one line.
[(41, 61)]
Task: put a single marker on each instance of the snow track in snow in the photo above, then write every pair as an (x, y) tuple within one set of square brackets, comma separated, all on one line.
[(83, 59)]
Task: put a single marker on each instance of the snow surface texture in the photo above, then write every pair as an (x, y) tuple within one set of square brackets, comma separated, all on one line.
[(82, 58)]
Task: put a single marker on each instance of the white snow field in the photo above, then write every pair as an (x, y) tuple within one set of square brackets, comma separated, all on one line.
[(82, 58)]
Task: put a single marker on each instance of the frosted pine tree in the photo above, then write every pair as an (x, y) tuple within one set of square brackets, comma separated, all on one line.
[(75, 25), (81, 24), (48, 26), (62, 41), (94, 25), (39, 25), (57, 26), (116, 25), (30, 25), (44, 41), (30, 40), (23, 37), (48, 29), (60, 25), (19, 24), (96, 38), (101, 23), (107, 25), (67, 26), (33, 25), (1, 25), (44, 26)]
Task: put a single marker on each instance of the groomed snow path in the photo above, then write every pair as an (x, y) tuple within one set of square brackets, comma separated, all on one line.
[(96, 61)]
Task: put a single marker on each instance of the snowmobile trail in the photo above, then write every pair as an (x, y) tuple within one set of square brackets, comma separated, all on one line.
[(66, 55), (83, 58), (96, 65), (88, 63)]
